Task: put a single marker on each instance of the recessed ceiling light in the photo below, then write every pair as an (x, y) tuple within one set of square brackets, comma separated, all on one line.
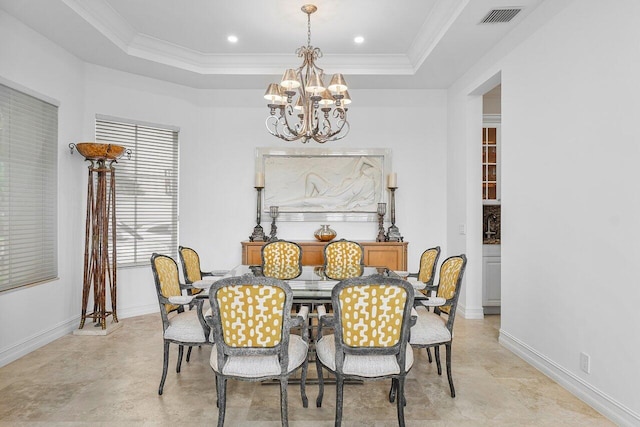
[(232, 39), (359, 39)]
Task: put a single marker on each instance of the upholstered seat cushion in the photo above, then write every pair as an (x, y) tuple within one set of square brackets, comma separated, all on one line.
[(205, 283), (368, 366), (261, 366), (185, 327), (429, 329)]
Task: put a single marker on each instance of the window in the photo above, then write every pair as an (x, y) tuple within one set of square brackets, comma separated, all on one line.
[(146, 189), (28, 189)]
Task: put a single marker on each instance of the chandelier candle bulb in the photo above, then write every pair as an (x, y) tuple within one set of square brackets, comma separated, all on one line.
[(392, 180)]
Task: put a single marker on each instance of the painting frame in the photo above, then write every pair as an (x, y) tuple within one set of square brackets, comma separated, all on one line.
[(320, 184)]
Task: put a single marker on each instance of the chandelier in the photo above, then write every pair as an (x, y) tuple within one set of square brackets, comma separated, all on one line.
[(301, 106)]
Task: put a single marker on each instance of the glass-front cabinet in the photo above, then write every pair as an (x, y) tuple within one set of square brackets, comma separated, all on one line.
[(491, 164)]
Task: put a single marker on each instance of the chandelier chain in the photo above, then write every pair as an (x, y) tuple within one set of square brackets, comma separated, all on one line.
[(308, 30)]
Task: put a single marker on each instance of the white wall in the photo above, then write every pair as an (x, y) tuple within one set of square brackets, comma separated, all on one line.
[(570, 196), (33, 316), (219, 132)]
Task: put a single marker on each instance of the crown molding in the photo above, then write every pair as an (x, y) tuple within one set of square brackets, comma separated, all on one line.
[(100, 15), (439, 21)]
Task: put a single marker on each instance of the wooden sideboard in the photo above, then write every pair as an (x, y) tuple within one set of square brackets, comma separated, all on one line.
[(376, 254)]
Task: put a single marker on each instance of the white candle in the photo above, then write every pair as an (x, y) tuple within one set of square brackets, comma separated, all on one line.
[(392, 180), (259, 180)]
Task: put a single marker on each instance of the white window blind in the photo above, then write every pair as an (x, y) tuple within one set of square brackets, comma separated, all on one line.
[(28, 189), (146, 189)]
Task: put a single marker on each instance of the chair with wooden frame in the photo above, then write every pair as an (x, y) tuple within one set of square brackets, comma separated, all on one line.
[(363, 346), (281, 259), (179, 326), (343, 259), (251, 322), (432, 329), (424, 278)]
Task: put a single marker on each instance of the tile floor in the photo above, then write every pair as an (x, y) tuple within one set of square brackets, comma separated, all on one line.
[(113, 381)]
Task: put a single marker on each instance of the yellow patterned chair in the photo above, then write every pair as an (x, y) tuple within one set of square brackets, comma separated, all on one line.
[(251, 324), (343, 259), (179, 326), (371, 322), (196, 280), (433, 329), (281, 260), (190, 261), (423, 279)]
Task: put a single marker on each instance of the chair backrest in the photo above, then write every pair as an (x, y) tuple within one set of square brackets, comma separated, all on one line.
[(282, 260), (167, 279), (190, 264), (190, 267), (449, 284), (428, 262), (373, 316), (251, 316), (343, 259)]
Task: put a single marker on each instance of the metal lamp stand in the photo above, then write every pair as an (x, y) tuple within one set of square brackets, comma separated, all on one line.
[(393, 234), (258, 232)]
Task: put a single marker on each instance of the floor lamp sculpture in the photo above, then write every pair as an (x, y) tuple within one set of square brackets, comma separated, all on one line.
[(100, 230)]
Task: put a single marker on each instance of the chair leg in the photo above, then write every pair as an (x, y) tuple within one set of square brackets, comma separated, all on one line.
[(448, 349), (189, 354), (303, 383), (284, 417), (339, 400), (165, 367), (436, 351), (401, 402), (320, 383), (222, 398), (393, 390), (429, 355), (180, 352)]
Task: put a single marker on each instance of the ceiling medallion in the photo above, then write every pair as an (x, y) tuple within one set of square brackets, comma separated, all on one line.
[(301, 106)]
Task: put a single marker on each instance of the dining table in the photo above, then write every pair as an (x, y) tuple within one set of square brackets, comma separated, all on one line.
[(313, 287)]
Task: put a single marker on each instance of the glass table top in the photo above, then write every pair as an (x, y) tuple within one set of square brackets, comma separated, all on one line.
[(312, 283)]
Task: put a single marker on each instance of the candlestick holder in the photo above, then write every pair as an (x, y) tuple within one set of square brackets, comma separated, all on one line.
[(273, 211), (258, 232), (393, 233), (382, 210)]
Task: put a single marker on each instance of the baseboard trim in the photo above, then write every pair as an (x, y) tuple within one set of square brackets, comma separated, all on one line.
[(63, 328), (38, 340), (601, 402), (470, 313)]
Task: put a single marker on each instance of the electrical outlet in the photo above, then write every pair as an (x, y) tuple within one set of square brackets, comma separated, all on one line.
[(585, 362)]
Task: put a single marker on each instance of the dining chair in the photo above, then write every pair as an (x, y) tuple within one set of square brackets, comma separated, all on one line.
[(251, 324), (432, 328), (179, 326), (190, 261), (281, 259), (426, 272), (424, 278), (343, 259), (191, 270), (371, 320)]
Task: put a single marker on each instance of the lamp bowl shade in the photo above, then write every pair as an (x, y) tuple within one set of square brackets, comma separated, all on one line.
[(99, 151)]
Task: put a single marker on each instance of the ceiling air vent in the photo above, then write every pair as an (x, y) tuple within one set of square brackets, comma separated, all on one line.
[(500, 15)]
